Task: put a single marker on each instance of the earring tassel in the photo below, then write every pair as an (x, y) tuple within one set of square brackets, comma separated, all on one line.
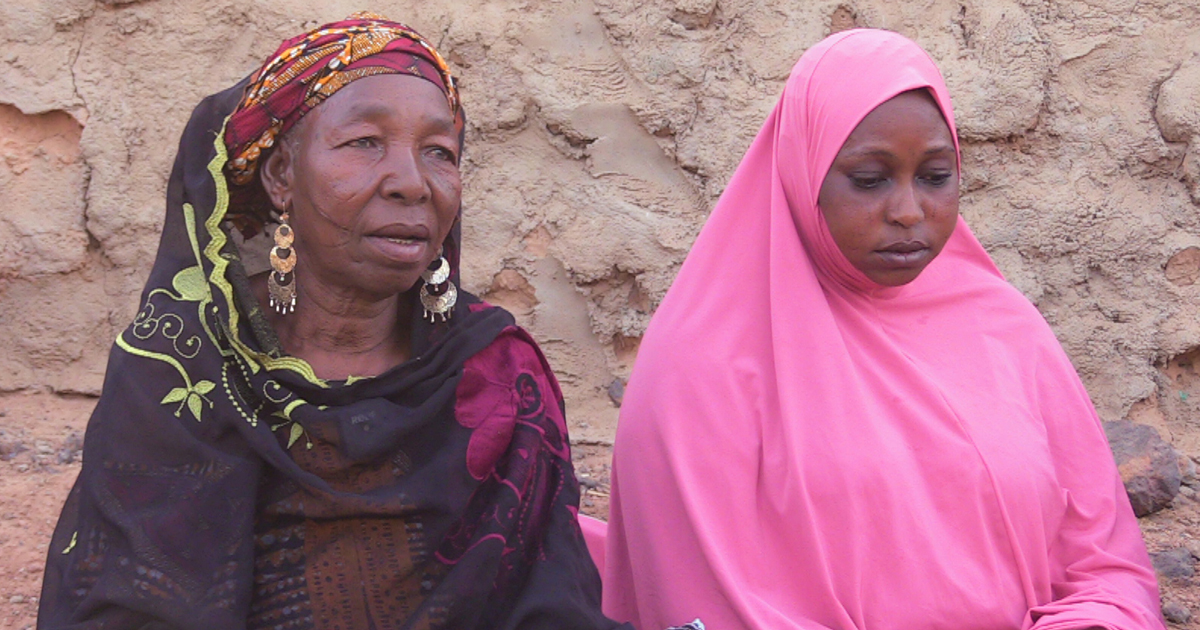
[(281, 284), (438, 295)]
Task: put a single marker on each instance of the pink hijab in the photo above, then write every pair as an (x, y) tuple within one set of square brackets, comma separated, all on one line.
[(800, 447)]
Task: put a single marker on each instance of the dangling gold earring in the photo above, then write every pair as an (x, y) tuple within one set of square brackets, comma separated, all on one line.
[(438, 295), (281, 283)]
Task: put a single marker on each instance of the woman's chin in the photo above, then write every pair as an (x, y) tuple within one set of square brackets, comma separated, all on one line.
[(397, 284), (375, 285), (894, 277), (386, 276)]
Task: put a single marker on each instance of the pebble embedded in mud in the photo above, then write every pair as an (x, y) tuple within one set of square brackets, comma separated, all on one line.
[(1174, 563), (1176, 612), (1149, 466)]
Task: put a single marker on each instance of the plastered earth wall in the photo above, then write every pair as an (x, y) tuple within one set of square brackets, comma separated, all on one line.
[(601, 133)]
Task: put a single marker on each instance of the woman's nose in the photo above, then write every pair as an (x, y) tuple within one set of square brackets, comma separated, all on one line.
[(404, 179), (905, 209)]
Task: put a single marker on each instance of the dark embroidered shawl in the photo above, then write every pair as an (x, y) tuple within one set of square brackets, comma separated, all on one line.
[(225, 486)]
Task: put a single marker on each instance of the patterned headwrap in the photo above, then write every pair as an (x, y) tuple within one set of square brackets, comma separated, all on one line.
[(305, 71)]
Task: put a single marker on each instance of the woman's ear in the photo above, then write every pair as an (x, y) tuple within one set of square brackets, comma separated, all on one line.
[(277, 174)]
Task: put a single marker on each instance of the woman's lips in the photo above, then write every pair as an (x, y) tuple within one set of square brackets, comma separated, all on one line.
[(401, 250), (905, 254), (402, 244)]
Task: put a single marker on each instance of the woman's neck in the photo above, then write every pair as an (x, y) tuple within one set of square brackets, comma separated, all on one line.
[(341, 334)]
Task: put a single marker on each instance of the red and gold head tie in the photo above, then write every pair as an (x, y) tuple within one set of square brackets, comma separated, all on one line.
[(312, 67)]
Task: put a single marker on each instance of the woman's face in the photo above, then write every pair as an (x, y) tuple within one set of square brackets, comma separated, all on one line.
[(890, 198), (371, 180)]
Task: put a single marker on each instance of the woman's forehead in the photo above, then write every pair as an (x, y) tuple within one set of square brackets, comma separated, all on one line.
[(388, 97), (913, 111)]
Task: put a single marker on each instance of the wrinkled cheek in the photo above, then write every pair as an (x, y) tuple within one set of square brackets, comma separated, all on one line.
[(329, 230), (448, 194), (346, 188)]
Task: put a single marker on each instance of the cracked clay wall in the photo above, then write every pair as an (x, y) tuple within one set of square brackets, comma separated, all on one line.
[(601, 133)]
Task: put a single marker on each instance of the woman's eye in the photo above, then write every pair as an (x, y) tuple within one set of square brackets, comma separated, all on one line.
[(867, 182), (936, 179), (365, 142), (442, 153)]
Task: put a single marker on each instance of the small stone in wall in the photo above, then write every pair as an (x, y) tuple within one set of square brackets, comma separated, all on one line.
[(1187, 471), (10, 447), (842, 18), (1176, 612), (71, 449), (1149, 466), (1183, 268), (616, 391), (1174, 563), (694, 14)]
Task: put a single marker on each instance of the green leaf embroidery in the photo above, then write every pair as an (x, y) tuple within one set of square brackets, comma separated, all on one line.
[(175, 395), (193, 396), (191, 284), (195, 405), (297, 431)]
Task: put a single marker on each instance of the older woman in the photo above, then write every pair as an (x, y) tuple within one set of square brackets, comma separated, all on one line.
[(346, 441), (843, 417)]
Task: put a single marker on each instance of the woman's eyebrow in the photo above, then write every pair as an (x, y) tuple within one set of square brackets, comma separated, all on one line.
[(882, 152), (869, 152)]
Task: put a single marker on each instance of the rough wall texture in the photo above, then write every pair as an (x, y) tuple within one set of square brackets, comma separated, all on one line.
[(601, 133)]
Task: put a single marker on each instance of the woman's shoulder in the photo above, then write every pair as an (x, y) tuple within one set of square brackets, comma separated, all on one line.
[(1017, 312), (512, 350), (986, 303), (510, 373)]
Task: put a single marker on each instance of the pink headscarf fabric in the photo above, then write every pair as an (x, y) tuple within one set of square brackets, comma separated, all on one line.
[(800, 447)]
